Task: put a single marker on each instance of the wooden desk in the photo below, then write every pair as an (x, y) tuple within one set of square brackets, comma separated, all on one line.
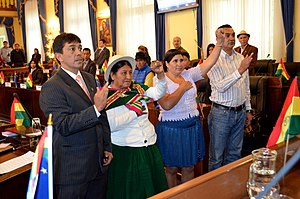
[(11, 71), (29, 98), (13, 185), (230, 180)]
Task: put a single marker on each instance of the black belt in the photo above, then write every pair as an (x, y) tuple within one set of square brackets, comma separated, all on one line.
[(228, 108)]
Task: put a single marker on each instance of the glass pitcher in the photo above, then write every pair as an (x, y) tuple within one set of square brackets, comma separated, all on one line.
[(261, 172)]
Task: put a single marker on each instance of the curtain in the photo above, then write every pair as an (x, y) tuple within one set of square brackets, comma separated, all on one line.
[(199, 29), (92, 15), (8, 23), (32, 27), (287, 8), (43, 24), (241, 15), (135, 26), (113, 19), (59, 11), (21, 19), (77, 21), (159, 33)]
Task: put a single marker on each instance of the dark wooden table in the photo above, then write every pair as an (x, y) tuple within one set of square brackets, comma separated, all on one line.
[(28, 97), (229, 181)]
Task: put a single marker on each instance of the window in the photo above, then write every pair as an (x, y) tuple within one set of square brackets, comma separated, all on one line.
[(135, 26)]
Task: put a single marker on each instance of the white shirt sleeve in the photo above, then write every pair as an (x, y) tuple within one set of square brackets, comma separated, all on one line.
[(119, 117), (158, 90)]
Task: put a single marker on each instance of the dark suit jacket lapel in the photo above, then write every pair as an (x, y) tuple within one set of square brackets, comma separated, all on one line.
[(74, 86), (89, 83), (88, 66)]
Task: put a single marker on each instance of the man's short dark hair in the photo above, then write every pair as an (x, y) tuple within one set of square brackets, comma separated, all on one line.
[(63, 38), (225, 26), (5, 42), (87, 49), (140, 56), (103, 40)]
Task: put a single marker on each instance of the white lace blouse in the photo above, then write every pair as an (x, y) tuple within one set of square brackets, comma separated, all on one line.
[(186, 106)]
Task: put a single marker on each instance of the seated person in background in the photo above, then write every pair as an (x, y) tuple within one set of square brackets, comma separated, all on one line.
[(144, 49), (17, 57), (204, 96), (36, 56), (186, 60), (247, 49), (88, 65), (36, 72), (142, 73), (209, 49), (137, 168), (177, 44)]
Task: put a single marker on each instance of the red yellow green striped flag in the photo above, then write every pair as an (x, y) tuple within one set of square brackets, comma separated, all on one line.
[(29, 81), (281, 71), (289, 118), (18, 115)]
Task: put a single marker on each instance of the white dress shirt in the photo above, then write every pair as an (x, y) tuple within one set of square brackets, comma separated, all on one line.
[(229, 88)]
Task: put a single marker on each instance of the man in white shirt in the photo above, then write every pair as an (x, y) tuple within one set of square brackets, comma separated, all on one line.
[(231, 108)]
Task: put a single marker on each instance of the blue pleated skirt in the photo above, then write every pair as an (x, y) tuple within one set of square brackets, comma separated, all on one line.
[(181, 143)]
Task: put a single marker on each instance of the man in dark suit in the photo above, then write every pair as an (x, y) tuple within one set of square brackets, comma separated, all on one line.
[(17, 57), (88, 65), (101, 54), (81, 133), (247, 49)]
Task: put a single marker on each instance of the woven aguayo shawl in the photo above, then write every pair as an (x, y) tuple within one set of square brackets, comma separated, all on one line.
[(130, 97)]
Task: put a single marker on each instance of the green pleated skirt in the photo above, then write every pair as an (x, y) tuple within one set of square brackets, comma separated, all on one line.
[(136, 172)]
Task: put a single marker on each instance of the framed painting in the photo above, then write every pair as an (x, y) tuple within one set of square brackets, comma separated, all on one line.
[(104, 30)]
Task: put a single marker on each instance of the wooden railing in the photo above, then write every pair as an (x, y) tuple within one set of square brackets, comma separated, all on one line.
[(8, 5)]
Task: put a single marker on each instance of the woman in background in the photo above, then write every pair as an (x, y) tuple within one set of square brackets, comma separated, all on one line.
[(144, 49), (179, 130), (209, 49), (36, 72), (36, 56)]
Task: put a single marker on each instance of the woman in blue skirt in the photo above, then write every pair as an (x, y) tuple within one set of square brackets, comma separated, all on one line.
[(179, 130)]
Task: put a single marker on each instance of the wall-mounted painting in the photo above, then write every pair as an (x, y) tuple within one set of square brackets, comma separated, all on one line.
[(104, 30)]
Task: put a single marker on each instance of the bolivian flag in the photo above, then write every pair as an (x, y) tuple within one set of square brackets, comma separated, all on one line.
[(104, 67), (29, 81), (18, 115), (2, 78), (289, 118), (281, 71)]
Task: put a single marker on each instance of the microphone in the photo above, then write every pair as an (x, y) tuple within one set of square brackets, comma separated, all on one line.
[(268, 55), (30, 117)]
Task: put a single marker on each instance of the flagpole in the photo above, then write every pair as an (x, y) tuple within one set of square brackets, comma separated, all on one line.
[(286, 151), (50, 157)]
